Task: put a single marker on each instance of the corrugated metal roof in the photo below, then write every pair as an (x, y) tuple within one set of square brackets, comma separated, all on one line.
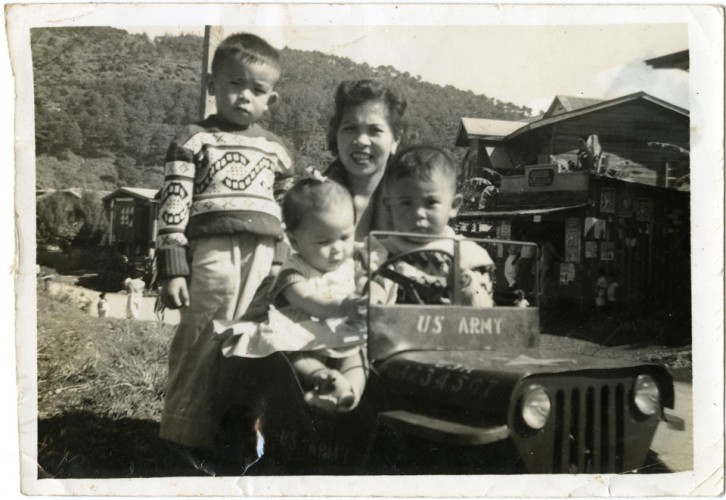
[(520, 212), (676, 60), (484, 128), (145, 193), (77, 192), (493, 129), (569, 103), (597, 107), (487, 127)]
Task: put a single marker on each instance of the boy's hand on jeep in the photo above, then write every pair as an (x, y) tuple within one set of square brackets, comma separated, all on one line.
[(377, 294), (175, 293)]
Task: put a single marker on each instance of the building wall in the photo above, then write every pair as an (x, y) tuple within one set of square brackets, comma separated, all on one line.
[(637, 231), (542, 186), (133, 225), (647, 233), (640, 233)]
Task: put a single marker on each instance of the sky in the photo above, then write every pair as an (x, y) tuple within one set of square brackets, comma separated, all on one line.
[(524, 65)]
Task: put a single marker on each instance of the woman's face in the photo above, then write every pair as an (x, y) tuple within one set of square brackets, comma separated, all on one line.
[(365, 139)]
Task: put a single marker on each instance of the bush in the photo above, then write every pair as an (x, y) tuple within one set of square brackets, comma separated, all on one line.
[(95, 223), (63, 221), (57, 221)]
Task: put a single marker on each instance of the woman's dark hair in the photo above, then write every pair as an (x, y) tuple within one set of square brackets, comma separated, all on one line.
[(355, 92)]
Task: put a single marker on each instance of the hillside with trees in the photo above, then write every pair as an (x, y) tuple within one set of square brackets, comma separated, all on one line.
[(107, 104)]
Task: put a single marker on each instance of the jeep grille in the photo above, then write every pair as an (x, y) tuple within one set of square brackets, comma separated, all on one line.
[(589, 429), (593, 427)]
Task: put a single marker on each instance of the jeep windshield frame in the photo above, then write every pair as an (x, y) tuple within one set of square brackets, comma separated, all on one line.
[(395, 328)]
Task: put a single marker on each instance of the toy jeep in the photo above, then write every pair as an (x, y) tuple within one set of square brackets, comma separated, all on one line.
[(460, 390)]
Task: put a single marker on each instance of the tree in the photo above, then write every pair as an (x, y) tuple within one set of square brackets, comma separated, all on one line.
[(128, 174), (100, 94), (56, 221), (94, 221)]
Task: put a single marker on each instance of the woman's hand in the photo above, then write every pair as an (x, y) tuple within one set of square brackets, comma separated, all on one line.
[(175, 292)]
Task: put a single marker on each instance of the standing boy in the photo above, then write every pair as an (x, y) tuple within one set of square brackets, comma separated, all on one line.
[(219, 226)]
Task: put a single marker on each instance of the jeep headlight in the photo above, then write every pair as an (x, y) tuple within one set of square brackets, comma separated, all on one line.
[(536, 406), (646, 395)]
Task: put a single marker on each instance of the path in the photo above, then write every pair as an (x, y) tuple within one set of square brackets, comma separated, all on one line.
[(675, 447), (117, 309), (117, 304)]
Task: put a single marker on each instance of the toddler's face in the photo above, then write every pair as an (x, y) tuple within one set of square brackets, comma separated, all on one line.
[(365, 139), (325, 240), (423, 205), (243, 91)]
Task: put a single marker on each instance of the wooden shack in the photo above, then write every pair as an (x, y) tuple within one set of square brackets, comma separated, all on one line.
[(132, 220), (642, 138), (624, 222)]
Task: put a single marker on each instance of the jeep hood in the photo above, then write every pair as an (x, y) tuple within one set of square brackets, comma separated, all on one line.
[(487, 379)]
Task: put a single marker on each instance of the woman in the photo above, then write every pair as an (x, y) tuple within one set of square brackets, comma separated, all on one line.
[(363, 134)]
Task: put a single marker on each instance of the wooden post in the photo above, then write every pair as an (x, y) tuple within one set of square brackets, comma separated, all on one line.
[(153, 229), (213, 35), (110, 222)]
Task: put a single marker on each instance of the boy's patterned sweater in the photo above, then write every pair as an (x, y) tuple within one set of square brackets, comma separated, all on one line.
[(218, 180)]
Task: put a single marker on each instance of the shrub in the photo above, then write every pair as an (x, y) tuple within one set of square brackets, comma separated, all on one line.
[(57, 221), (95, 222), (65, 222)]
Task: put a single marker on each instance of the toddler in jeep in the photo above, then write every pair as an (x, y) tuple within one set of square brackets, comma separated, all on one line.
[(421, 195)]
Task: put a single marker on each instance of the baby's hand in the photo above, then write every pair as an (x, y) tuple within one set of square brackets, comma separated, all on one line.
[(175, 293), (355, 307), (265, 329)]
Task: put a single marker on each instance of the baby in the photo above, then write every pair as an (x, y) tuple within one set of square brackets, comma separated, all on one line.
[(319, 280), (422, 198)]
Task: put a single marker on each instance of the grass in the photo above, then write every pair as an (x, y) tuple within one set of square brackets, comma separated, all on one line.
[(100, 396), (115, 367)]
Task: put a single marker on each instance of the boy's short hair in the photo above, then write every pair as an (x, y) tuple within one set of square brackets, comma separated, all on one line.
[(419, 162), (247, 48), (311, 195)]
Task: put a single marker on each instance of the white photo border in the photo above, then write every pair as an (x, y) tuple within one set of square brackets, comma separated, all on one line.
[(706, 42)]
